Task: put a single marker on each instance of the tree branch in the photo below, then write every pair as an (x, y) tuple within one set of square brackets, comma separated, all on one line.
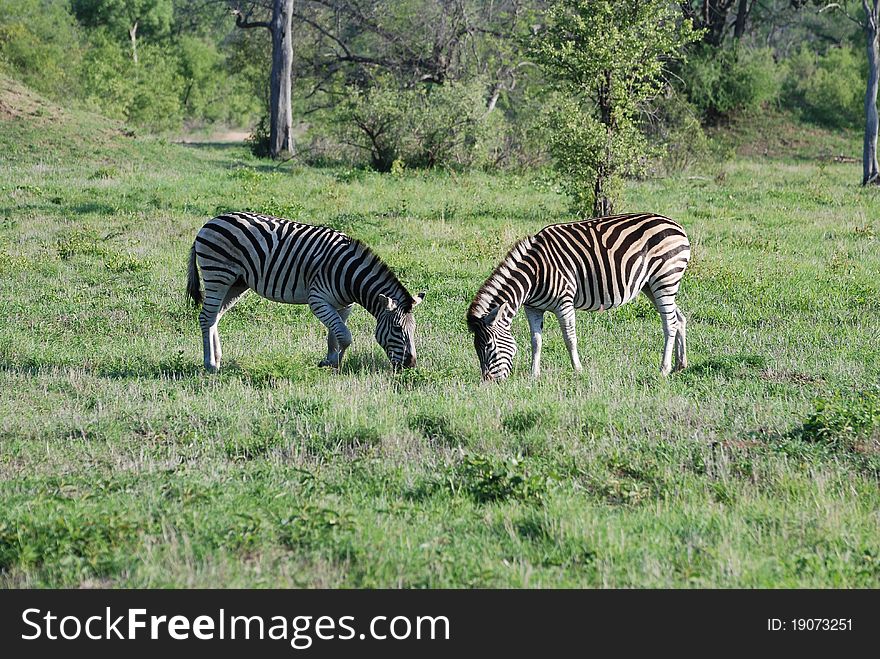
[(242, 21)]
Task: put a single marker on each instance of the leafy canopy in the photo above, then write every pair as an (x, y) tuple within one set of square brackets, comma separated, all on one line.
[(606, 61)]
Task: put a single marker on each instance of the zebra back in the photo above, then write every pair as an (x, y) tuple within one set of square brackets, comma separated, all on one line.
[(593, 264), (287, 261)]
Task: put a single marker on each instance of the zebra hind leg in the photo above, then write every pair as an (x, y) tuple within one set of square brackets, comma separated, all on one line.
[(680, 341), (333, 357), (567, 325), (216, 292), (236, 291)]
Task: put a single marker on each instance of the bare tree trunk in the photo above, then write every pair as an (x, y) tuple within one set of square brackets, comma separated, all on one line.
[(280, 112), (132, 34), (602, 203), (742, 15), (870, 173)]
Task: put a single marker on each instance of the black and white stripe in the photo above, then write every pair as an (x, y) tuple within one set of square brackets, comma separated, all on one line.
[(298, 263), (593, 265)]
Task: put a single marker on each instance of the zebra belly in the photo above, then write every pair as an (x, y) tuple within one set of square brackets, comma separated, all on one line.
[(298, 296)]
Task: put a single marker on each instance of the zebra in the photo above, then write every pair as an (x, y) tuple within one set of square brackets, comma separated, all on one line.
[(286, 261), (593, 265)]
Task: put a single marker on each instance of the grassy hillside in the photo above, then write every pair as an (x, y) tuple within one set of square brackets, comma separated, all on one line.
[(122, 464)]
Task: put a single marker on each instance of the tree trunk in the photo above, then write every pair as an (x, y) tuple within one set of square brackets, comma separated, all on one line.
[(602, 203), (132, 34), (280, 112), (742, 15), (870, 173)]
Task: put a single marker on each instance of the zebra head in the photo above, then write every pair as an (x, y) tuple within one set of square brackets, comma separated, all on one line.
[(494, 342), (396, 331)]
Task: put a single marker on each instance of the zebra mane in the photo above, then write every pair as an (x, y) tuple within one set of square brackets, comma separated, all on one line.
[(492, 290), (386, 272)]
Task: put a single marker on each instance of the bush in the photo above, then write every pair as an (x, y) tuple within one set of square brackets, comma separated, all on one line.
[(676, 127), (828, 89), (725, 82), (147, 94), (158, 90), (845, 421), (424, 126), (487, 479), (514, 138), (40, 42)]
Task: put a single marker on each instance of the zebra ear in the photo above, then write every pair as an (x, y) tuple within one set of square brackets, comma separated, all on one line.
[(390, 305), (419, 298), (494, 314)]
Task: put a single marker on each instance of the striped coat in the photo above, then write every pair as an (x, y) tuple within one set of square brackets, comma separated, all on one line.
[(592, 265), (298, 263)]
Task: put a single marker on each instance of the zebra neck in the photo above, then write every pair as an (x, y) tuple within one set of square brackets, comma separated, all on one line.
[(510, 283), (369, 278), (371, 301)]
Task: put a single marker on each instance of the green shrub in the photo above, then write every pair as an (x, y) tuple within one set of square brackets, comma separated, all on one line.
[(828, 89), (728, 81), (40, 42), (147, 94), (676, 126), (156, 102), (486, 479), (423, 126), (845, 421)]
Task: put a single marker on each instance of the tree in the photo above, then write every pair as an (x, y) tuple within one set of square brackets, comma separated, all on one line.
[(148, 16), (870, 172), (871, 27), (280, 110), (606, 58)]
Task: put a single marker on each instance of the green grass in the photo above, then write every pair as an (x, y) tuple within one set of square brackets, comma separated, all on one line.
[(123, 464)]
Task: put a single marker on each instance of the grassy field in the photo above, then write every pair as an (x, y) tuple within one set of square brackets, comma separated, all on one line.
[(123, 464)]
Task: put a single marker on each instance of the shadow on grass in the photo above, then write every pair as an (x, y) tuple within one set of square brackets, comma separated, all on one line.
[(727, 365), (365, 363), (172, 369), (213, 146), (91, 208)]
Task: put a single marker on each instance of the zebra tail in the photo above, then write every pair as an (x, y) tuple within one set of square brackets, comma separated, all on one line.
[(193, 284)]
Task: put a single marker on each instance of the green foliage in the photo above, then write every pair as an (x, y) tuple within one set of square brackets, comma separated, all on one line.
[(41, 42), (150, 17), (828, 89), (147, 94), (374, 121), (724, 82), (83, 52), (677, 129), (607, 60), (846, 421), (487, 479), (421, 126)]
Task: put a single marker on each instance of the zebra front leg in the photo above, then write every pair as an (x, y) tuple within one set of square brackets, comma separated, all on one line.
[(331, 318), (567, 323), (536, 327), (670, 331), (333, 357)]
